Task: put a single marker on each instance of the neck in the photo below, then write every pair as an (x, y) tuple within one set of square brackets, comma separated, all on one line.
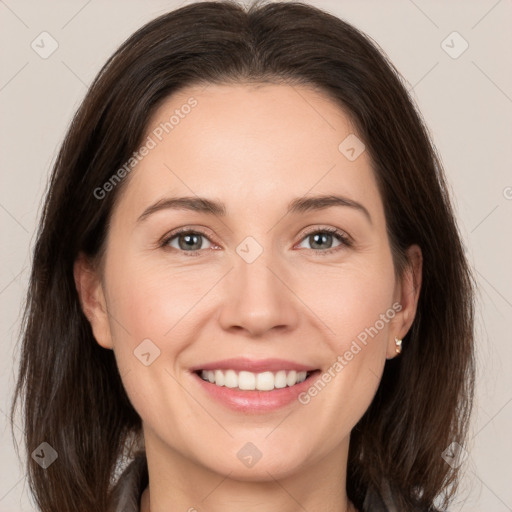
[(145, 505), (177, 483)]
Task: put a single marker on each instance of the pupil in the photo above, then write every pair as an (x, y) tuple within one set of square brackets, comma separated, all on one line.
[(318, 239), (190, 242)]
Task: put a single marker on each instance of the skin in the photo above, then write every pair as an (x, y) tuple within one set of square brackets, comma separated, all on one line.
[(255, 148)]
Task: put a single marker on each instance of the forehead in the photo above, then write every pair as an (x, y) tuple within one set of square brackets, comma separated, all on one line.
[(250, 145)]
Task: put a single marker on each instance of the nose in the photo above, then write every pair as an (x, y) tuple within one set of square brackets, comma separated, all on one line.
[(257, 298)]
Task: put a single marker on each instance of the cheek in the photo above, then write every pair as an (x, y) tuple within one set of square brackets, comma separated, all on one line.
[(151, 301), (148, 324), (356, 306), (155, 313), (353, 302)]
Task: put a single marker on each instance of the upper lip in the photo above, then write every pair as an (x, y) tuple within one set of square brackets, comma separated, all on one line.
[(254, 365)]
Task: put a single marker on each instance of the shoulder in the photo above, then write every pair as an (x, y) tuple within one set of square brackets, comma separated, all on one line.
[(375, 502), (126, 493), (384, 502)]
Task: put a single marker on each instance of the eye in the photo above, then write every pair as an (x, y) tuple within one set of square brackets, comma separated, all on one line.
[(191, 241), (186, 240), (323, 239)]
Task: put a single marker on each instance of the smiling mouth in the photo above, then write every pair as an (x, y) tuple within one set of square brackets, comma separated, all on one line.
[(250, 381)]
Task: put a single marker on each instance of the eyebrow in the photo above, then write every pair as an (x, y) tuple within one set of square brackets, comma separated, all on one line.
[(212, 207)]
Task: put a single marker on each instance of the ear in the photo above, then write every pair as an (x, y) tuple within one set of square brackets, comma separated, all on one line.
[(407, 294), (92, 299)]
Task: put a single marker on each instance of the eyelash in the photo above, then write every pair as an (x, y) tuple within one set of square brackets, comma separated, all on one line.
[(339, 235)]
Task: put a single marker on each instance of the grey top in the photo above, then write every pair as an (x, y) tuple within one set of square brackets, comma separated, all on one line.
[(128, 490)]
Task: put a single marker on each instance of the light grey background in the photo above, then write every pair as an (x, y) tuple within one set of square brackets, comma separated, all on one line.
[(466, 102)]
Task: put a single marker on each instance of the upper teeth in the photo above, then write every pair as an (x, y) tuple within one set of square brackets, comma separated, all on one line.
[(265, 381)]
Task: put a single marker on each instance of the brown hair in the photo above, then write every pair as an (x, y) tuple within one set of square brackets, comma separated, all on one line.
[(69, 386)]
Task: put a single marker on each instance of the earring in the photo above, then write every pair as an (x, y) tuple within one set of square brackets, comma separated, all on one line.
[(398, 345)]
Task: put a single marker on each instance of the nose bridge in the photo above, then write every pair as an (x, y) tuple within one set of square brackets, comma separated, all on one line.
[(256, 297)]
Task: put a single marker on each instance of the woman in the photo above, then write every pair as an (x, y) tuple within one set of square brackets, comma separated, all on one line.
[(248, 285)]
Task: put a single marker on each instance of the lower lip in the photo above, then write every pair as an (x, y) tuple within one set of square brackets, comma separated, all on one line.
[(256, 401)]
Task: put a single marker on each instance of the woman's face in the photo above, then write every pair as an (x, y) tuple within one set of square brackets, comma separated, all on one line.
[(270, 280)]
